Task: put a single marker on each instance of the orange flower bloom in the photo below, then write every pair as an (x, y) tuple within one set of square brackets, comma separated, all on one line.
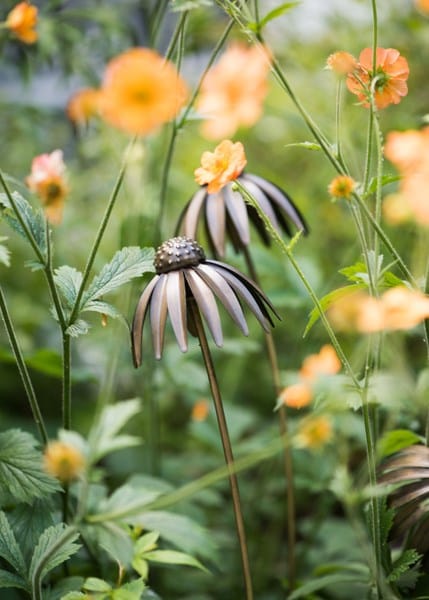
[(200, 410), (422, 6), (233, 91), (83, 105), (47, 180), (341, 186), (396, 209), (409, 152), (141, 91), (389, 79), (342, 63), (63, 461), (220, 167), (22, 20), (326, 362), (297, 395), (314, 432)]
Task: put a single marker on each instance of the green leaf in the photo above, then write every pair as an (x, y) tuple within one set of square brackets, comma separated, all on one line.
[(33, 219), (65, 588), (328, 300), (385, 180), (128, 500), (127, 263), (305, 145), (357, 273), (28, 522), (76, 596), (55, 546), (273, 14), (22, 477), (184, 5), (9, 549), (79, 327), (104, 438), (146, 542), (141, 565), (68, 281), (407, 559), (4, 253), (115, 540), (172, 557), (391, 280), (10, 580), (93, 584), (130, 591), (104, 308), (395, 440), (322, 582)]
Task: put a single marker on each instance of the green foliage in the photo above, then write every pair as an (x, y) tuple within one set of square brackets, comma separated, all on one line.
[(4, 253), (393, 441)]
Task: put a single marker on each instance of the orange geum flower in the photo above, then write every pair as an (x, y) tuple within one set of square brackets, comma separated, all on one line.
[(314, 432), (200, 410), (341, 186), (396, 209), (388, 82), (83, 105), (22, 21), (141, 91), (47, 180), (297, 395), (63, 461), (233, 91), (341, 63), (220, 167), (422, 6), (326, 362)]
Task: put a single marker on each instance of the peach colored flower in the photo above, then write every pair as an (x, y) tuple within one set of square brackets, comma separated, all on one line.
[(326, 362), (396, 209), (422, 6), (344, 312), (63, 461), (233, 91), (342, 63), (389, 78), (200, 410), (341, 186), (314, 432), (47, 180), (141, 91), (83, 105), (220, 167), (22, 21), (297, 395)]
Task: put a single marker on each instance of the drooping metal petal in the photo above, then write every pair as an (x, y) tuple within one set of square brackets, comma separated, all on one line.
[(158, 315), (138, 321), (263, 202), (176, 303), (215, 220), (225, 294), (237, 212), (206, 303), (190, 214), (279, 197)]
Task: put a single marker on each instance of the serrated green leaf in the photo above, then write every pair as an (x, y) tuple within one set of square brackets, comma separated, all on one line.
[(9, 549), (354, 272), (328, 300), (127, 263), (11, 580), (34, 219), (94, 584), (55, 546), (385, 180), (130, 591), (402, 564), (172, 557), (396, 440), (4, 253), (28, 523), (79, 327), (115, 540), (104, 437), (68, 280), (64, 588), (22, 477), (104, 308), (146, 542), (322, 582)]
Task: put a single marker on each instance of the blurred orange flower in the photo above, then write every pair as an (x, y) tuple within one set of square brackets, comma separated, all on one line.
[(47, 180), (389, 79), (141, 91), (63, 461), (22, 21), (83, 105), (233, 91), (341, 186), (396, 209), (314, 432), (422, 6), (409, 152), (326, 362), (297, 395), (220, 167), (200, 410), (342, 63)]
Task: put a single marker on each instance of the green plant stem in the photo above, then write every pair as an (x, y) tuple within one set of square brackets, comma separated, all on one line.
[(100, 234), (226, 444), (283, 426), (177, 35), (156, 19), (66, 381), (22, 368)]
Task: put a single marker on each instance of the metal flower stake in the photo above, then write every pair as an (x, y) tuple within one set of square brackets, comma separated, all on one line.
[(185, 287)]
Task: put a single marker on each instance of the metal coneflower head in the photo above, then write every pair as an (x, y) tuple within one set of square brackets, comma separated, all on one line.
[(185, 276), (226, 214)]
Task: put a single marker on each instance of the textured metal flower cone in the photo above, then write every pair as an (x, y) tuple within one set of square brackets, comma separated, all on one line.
[(182, 273), (225, 214)]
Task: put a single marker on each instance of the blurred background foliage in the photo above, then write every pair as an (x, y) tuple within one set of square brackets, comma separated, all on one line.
[(76, 39)]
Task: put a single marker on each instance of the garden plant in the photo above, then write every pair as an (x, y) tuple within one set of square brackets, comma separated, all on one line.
[(214, 298)]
